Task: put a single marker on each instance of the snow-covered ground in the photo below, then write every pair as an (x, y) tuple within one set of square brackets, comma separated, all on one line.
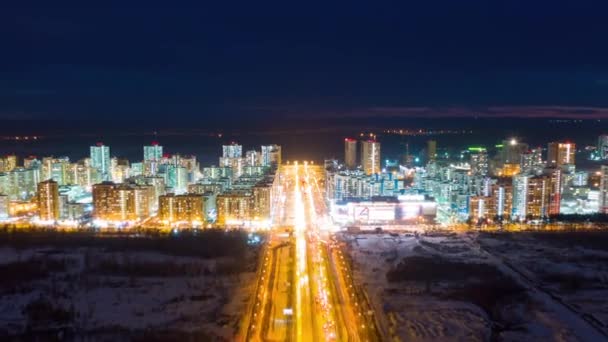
[(449, 309), (573, 272), (105, 296)]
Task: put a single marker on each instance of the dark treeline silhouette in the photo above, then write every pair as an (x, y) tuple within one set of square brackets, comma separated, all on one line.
[(208, 243), (594, 239), (420, 268), (578, 218)]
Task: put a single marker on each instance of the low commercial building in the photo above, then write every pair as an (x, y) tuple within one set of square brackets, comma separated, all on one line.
[(384, 210)]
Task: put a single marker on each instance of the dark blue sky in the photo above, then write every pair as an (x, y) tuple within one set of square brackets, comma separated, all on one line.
[(244, 59)]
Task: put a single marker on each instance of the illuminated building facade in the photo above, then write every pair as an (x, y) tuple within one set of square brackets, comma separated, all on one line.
[(215, 172), (202, 188), (122, 202), (4, 207), (431, 150), (531, 161), (271, 155), (481, 207), (479, 162), (502, 198), (561, 153), (234, 206), (261, 201), (104, 200), (177, 178), (20, 183), (235, 164), (182, 208), (370, 156), (252, 158), (83, 175), (536, 197), (603, 200), (350, 153), (100, 160), (31, 162), (8, 163), (345, 184), (508, 170), (602, 146), (153, 152), (56, 169), (48, 200), (233, 150)]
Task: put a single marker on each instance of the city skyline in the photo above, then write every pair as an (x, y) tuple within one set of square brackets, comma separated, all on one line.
[(303, 217), (262, 171), (553, 176)]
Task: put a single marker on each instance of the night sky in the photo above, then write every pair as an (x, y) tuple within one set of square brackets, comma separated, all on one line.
[(256, 59)]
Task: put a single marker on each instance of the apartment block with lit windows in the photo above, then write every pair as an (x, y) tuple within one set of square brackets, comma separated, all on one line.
[(122, 202), (48, 200), (182, 208)]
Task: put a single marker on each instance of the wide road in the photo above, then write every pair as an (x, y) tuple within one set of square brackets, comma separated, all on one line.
[(304, 292)]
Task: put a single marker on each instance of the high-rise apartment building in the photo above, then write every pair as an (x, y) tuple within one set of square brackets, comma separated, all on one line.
[(431, 150), (350, 153), (603, 200), (48, 200), (31, 162), (233, 150), (181, 208), (531, 161), (370, 156), (122, 202), (511, 151), (479, 162), (233, 206), (153, 151), (232, 157), (83, 175), (261, 201), (8, 163), (271, 155), (560, 153), (235, 164), (481, 207), (56, 169), (536, 197), (502, 194), (4, 207), (20, 183), (100, 160), (252, 158), (177, 178), (602, 146), (104, 200)]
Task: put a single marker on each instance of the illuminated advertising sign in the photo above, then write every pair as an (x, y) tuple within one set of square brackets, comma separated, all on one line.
[(373, 212), (382, 212)]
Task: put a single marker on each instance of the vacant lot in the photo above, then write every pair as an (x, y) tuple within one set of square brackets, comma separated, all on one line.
[(571, 266), (442, 286), (190, 286)]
